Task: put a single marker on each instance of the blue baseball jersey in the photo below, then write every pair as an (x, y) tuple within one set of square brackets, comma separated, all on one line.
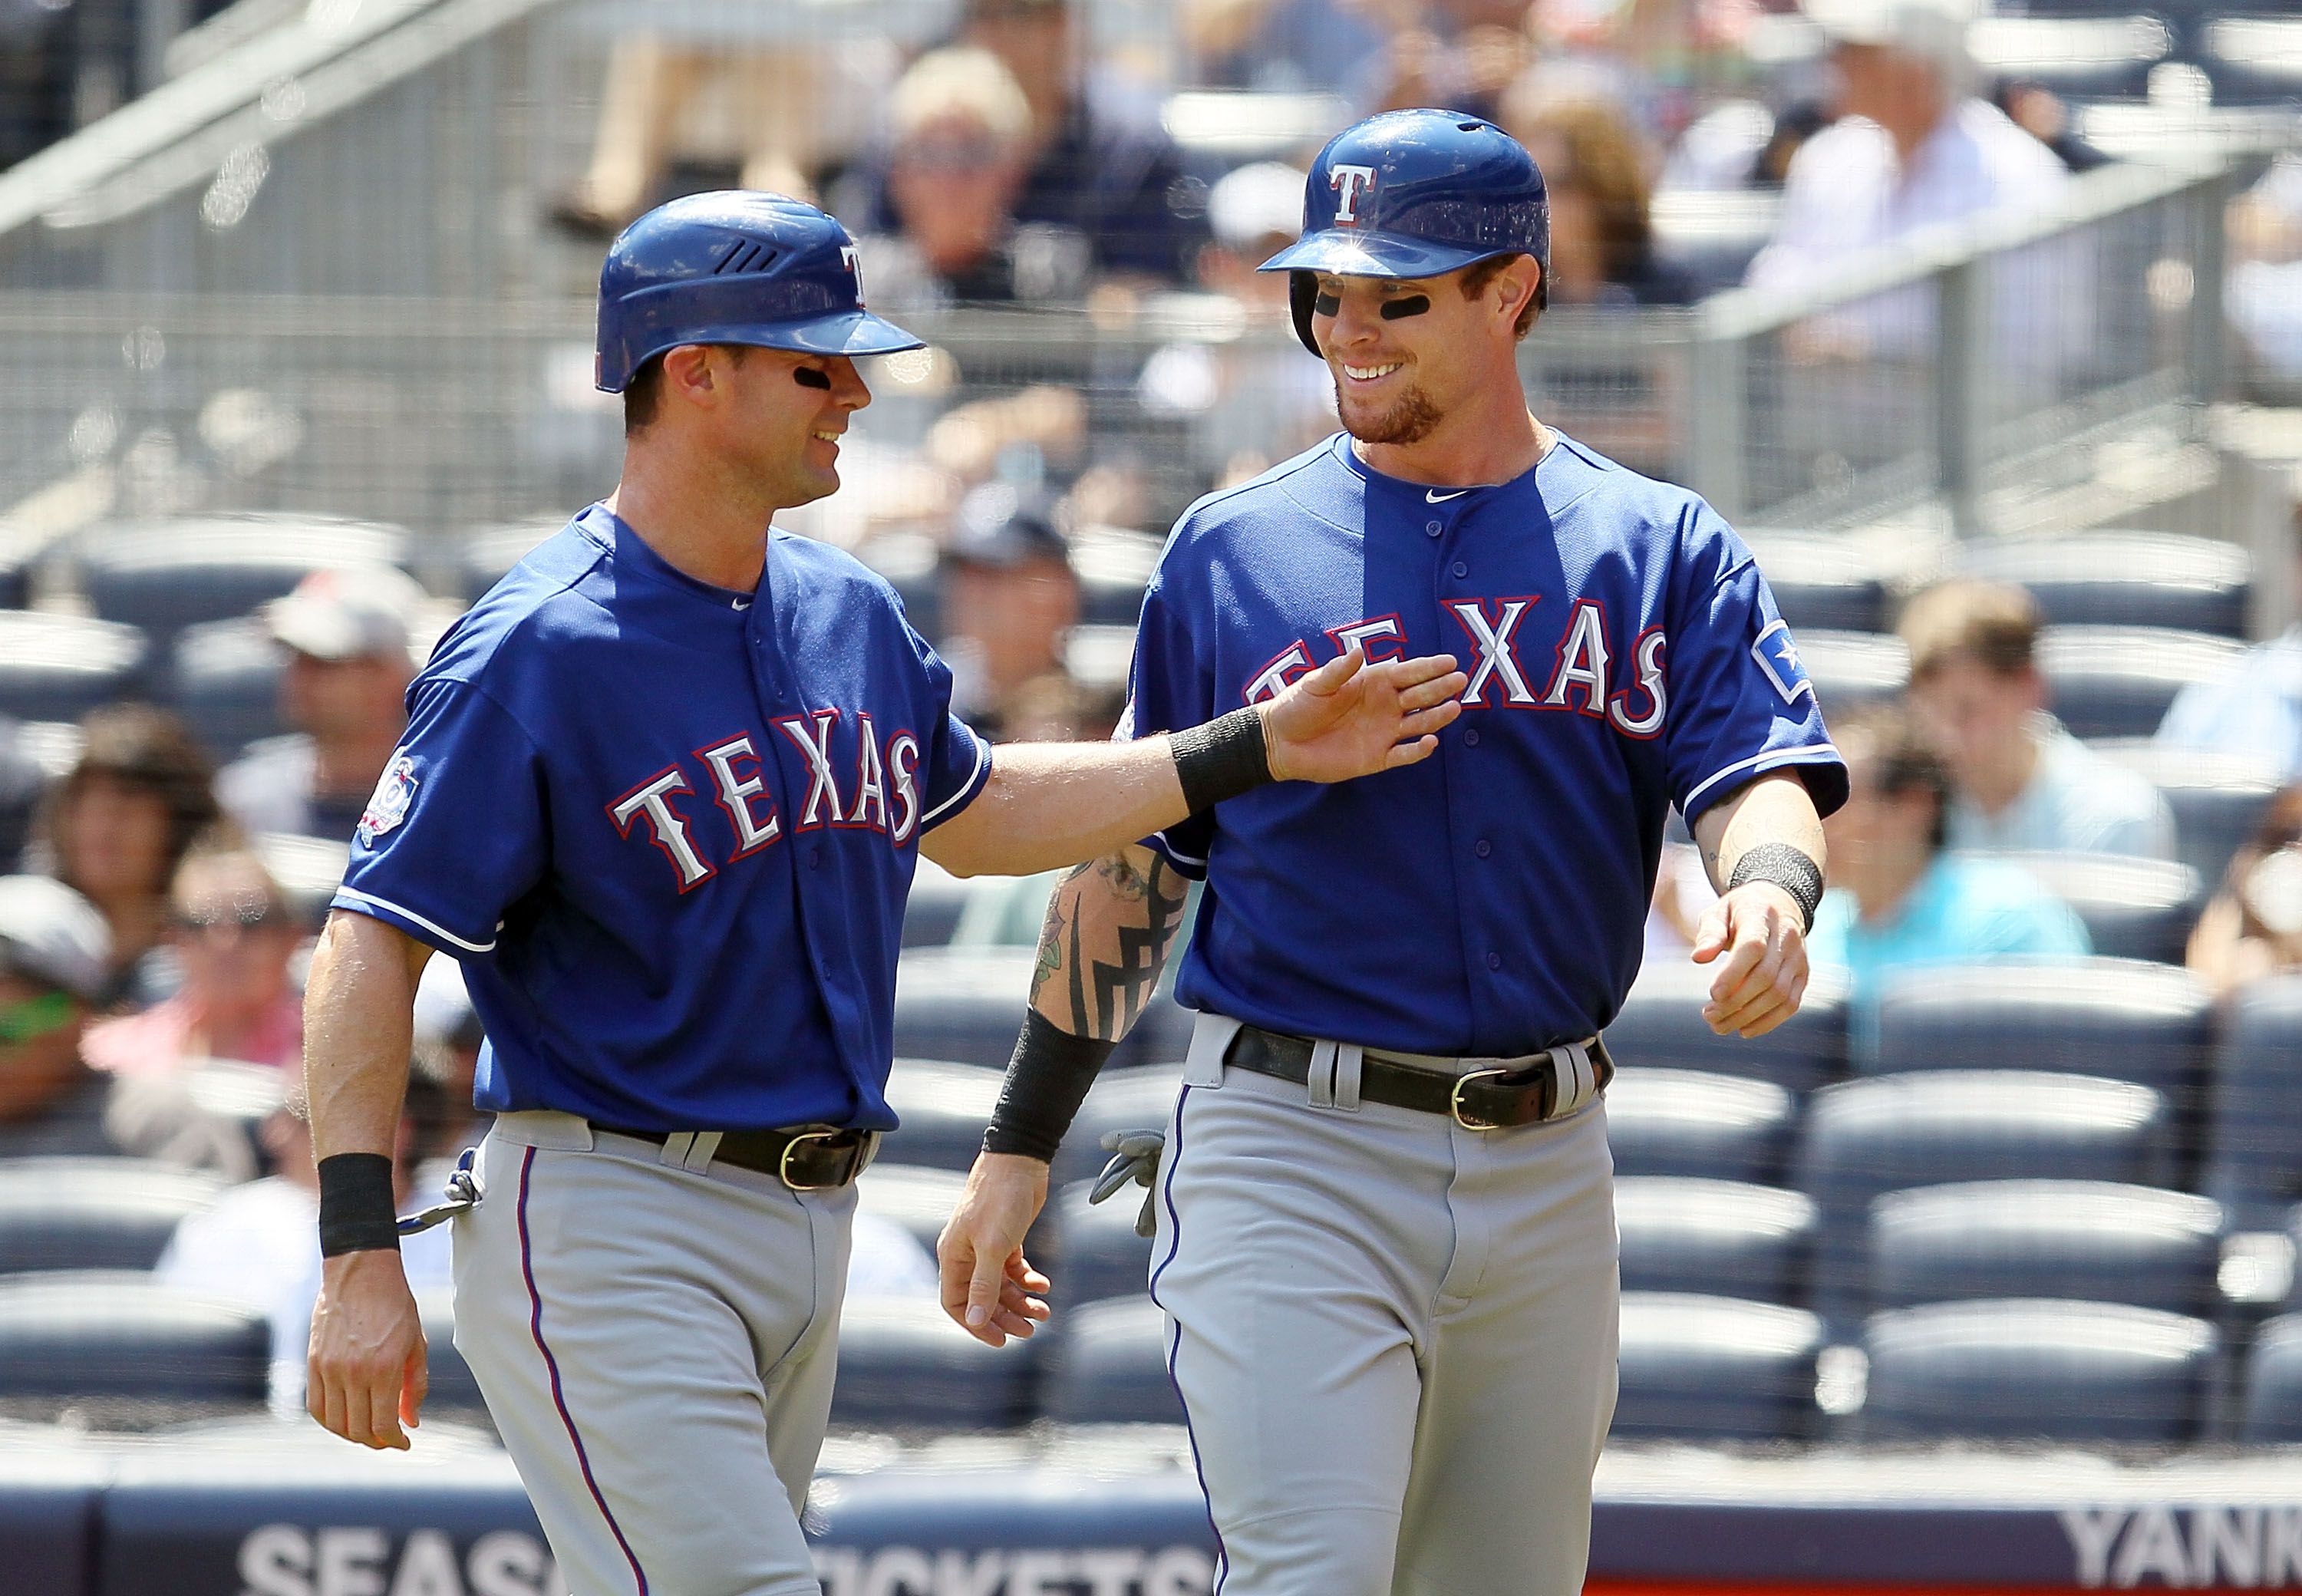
[(669, 830), (1623, 656)]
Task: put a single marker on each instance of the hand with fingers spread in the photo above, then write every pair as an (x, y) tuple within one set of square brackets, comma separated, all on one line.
[(366, 1377), (1350, 719), (1759, 927), (989, 1289)]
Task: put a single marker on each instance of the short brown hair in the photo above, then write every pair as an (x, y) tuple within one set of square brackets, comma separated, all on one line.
[(1995, 627), (1902, 760), (1479, 274), (150, 751), (643, 393)]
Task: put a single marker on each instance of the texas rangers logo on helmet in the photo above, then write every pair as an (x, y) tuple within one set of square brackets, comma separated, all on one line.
[(389, 805), (1349, 182), (853, 261)]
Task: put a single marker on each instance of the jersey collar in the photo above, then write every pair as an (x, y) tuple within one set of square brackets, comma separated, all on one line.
[(632, 555), (1438, 497)]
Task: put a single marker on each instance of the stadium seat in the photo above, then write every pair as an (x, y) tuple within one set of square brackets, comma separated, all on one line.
[(2255, 61), (1853, 670), (1820, 582), (2254, 1151), (966, 1004), (58, 668), (485, 553), (2090, 1241), (1702, 1126), (2118, 1018), (451, 1383), (224, 679), (309, 869), (1103, 1257), (2095, 57), (932, 911), (2272, 1413), (1114, 565), (1127, 1100), (2218, 800), (2119, 578), (1713, 1238), (93, 1213), (104, 1333), (1864, 1139), (2133, 908), (1661, 1025), (920, 1200), (1111, 1367), (1715, 1368), (2025, 1369), (15, 579), (2117, 681), (164, 575), (944, 1108), (904, 1366)]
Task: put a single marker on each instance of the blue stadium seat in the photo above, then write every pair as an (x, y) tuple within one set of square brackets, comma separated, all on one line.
[(1713, 1238), (932, 911), (15, 579), (1704, 1126), (2133, 908), (1122, 1100), (2117, 681), (93, 1213), (309, 869), (486, 554), (2118, 1018), (2272, 1414), (1113, 566), (1853, 670), (1821, 583), (224, 679), (920, 1200), (2094, 57), (1661, 1025), (450, 1381), (2029, 1369), (2253, 1153), (1864, 1139), (103, 1333), (904, 1366), (1715, 1368), (2119, 578), (164, 575), (59, 666), (944, 1108), (2090, 1241), (1111, 1366), (2218, 800), (2255, 60), (1103, 1257), (966, 1004)]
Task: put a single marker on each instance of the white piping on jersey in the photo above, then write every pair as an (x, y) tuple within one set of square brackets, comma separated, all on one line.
[(442, 932), (1805, 755), (1177, 854), (966, 788)]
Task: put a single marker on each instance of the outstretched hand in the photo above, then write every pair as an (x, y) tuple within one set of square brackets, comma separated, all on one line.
[(1758, 926), (1350, 719)]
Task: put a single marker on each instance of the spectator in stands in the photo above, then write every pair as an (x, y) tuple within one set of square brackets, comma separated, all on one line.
[(2255, 710), (346, 635), (1601, 236), (1897, 900), (962, 149), (1916, 146), (2039, 112), (1010, 599), (2021, 782), (1331, 46), (118, 825), (234, 936), (2253, 926), (55, 958)]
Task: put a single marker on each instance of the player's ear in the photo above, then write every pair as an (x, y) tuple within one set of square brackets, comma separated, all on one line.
[(1515, 285), (689, 372)]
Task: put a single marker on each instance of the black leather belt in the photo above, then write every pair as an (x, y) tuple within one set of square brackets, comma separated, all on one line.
[(805, 1157), (1488, 1099)]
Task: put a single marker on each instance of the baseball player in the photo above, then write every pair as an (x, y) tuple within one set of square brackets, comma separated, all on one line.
[(662, 793), (1385, 1238)]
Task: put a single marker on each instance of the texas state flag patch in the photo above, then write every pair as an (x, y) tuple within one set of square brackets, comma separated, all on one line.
[(1777, 652)]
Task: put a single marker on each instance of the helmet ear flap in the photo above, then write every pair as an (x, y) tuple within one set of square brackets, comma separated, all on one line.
[(1302, 288)]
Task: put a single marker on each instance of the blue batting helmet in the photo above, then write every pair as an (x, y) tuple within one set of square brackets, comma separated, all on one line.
[(733, 267), (1415, 194)]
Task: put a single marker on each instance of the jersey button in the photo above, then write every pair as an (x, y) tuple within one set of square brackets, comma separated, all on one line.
[(1460, 569), (1494, 960), (1471, 738), (1482, 847), (1433, 528)]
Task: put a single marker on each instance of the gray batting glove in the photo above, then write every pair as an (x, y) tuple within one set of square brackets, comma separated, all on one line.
[(1135, 1156)]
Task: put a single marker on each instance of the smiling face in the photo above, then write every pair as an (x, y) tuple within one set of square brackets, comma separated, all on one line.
[(1407, 353)]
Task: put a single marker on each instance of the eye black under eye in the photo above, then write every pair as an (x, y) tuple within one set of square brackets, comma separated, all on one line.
[(1405, 305), (807, 376), (1326, 304)]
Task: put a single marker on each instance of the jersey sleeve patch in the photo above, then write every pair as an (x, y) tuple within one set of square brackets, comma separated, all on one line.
[(1777, 655), (395, 790)]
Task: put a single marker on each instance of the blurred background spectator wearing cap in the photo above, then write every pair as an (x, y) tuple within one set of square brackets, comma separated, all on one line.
[(117, 827), (55, 965), (347, 636), (1010, 599)]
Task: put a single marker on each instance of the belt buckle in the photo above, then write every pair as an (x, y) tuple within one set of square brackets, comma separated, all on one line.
[(783, 1164), (1455, 1099)]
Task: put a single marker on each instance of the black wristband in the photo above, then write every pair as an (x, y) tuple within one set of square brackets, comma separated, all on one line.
[(1047, 1081), (357, 1211), (1222, 759), (1787, 868)]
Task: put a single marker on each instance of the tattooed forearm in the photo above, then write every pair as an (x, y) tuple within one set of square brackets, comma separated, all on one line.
[(1108, 929)]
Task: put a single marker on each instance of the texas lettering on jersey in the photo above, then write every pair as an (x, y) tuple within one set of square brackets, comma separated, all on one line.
[(882, 794), (1584, 666)]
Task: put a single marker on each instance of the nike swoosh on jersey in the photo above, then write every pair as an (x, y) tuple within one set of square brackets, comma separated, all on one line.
[(1436, 498)]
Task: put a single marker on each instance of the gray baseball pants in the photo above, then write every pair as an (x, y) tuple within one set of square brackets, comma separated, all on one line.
[(656, 1344), (1395, 1338)]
